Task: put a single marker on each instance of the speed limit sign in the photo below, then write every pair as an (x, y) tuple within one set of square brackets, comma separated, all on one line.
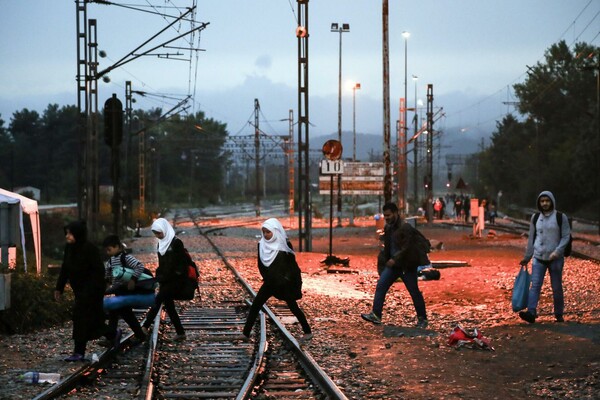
[(332, 167)]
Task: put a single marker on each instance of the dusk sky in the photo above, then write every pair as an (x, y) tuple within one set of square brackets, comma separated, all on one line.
[(472, 51)]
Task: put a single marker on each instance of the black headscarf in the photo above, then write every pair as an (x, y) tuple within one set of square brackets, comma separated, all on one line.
[(79, 231)]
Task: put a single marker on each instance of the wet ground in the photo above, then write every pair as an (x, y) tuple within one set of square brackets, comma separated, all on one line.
[(542, 360), (396, 360)]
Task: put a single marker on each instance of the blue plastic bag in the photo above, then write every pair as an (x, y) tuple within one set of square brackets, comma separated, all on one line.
[(521, 289)]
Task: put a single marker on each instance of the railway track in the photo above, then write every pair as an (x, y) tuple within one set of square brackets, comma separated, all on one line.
[(215, 361)]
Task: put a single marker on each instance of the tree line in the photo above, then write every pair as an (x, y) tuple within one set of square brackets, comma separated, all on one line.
[(182, 154), (552, 143)]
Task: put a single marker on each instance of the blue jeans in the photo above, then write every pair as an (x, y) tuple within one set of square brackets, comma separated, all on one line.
[(538, 271), (410, 280)]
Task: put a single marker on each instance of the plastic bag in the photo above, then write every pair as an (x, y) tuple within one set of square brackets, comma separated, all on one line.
[(521, 289)]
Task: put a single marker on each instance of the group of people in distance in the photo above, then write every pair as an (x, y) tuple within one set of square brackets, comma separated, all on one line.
[(84, 270)]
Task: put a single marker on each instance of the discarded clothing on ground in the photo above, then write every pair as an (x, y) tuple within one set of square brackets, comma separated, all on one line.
[(459, 337), (427, 273)]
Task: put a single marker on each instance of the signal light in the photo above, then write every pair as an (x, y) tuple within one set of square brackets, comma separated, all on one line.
[(113, 121)]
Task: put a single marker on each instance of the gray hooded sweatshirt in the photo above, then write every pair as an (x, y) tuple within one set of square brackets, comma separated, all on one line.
[(548, 238)]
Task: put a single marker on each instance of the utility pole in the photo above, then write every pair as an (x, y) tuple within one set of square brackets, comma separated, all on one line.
[(341, 28), (87, 105), (127, 212), (257, 156), (304, 208), (290, 154), (429, 178), (387, 182), (416, 153)]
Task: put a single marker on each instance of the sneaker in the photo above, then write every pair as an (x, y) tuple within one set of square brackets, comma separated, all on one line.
[(527, 316), (559, 318), (117, 339), (180, 337), (75, 357), (371, 317), (145, 330), (422, 323), (307, 336)]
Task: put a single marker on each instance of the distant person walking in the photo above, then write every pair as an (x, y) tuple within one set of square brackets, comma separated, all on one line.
[(281, 275), (546, 245), (403, 256), (83, 269), (172, 264)]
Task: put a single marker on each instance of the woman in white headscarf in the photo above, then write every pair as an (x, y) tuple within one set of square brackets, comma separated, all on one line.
[(172, 262), (281, 275)]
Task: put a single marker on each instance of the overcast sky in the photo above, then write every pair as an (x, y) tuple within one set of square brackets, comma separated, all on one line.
[(472, 51)]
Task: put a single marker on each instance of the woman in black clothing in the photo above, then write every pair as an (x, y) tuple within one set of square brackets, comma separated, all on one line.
[(169, 274), (83, 269), (281, 275)]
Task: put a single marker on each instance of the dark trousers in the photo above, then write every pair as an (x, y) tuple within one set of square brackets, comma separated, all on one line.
[(409, 278), (169, 305), (81, 345), (264, 294), (128, 316)]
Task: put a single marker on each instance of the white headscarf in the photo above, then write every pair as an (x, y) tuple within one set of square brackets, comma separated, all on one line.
[(268, 249), (162, 225)]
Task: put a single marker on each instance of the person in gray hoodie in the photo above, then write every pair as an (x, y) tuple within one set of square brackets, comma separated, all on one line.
[(546, 245)]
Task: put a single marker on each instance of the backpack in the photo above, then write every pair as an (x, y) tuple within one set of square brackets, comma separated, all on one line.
[(559, 219), (422, 244), (191, 277), (421, 247)]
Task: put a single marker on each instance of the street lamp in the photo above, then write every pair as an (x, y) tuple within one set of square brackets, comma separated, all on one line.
[(354, 87), (340, 28), (403, 178)]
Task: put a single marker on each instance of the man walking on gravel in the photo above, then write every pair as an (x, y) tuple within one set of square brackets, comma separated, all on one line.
[(403, 255), (549, 234)]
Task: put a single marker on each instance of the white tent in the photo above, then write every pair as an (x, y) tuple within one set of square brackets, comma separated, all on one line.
[(29, 207)]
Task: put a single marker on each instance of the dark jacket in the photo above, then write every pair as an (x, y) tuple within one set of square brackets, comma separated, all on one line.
[(283, 276), (406, 254), (172, 267), (83, 269)]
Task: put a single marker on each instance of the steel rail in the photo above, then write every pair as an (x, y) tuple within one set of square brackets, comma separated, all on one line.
[(315, 372), (147, 386)]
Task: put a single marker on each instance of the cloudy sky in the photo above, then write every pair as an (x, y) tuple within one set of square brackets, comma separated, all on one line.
[(472, 51)]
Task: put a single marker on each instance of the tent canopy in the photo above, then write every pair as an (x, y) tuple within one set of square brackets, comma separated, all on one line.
[(30, 207)]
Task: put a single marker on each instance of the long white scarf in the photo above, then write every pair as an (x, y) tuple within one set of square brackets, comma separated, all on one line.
[(162, 225), (268, 249)]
